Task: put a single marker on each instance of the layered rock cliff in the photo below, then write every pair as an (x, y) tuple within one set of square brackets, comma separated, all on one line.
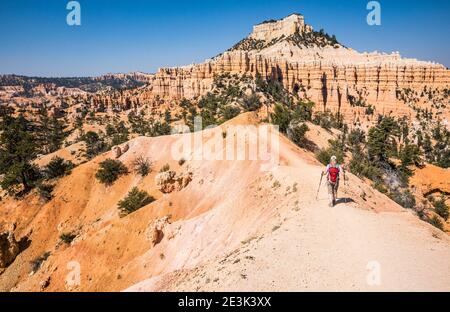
[(314, 65)]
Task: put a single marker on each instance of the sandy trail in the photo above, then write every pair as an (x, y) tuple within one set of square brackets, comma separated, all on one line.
[(318, 248), (341, 248)]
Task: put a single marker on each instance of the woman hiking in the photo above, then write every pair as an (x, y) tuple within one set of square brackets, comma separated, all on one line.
[(333, 172)]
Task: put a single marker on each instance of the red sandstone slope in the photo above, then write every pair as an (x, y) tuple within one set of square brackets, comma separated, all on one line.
[(225, 206)]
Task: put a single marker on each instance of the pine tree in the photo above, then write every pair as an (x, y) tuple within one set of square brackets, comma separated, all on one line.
[(138, 123), (409, 155), (381, 139), (50, 131), (18, 149), (94, 144), (57, 134), (281, 117), (118, 133), (428, 148)]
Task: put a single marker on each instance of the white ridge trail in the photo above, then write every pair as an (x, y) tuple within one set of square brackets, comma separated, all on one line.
[(317, 248)]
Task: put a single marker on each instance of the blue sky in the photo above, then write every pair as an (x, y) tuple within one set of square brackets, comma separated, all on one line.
[(137, 35)]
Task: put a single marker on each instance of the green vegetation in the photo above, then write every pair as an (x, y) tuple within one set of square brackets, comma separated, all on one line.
[(301, 39), (88, 84), (436, 222), (45, 191), (251, 102), (17, 150), (403, 197), (110, 170), (441, 150), (165, 168), (284, 116), (336, 148), (297, 134), (356, 102), (409, 155), (327, 120), (67, 238), (135, 200), (381, 144), (36, 264), (313, 38), (118, 133), (57, 167), (142, 166), (387, 154), (182, 161), (49, 131), (360, 165), (95, 144), (441, 208), (150, 126), (274, 89), (229, 112)]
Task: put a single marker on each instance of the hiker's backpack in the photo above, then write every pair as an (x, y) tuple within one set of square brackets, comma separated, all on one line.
[(333, 173)]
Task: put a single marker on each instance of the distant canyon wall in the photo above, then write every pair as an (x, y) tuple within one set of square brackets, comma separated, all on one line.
[(329, 85)]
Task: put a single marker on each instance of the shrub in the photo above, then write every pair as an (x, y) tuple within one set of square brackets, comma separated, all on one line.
[(45, 191), (94, 144), (281, 117), (404, 199), (57, 167), (181, 161), (67, 237), (441, 208), (360, 166), (435, 221), (118, 133), (370, 110), (110, 170), (142, 166), (410, 155), (324, 120), (297, 134), (159, 128), (19, 174), (229, 112), (304, 110), (380, 187), (324, 156), (251, 102), (135, 199), (165, 168), (37, 262), (335, 149), (356, 137), (208, 118)]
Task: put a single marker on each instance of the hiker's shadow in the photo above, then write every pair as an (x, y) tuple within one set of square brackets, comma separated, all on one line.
[(344, 200)]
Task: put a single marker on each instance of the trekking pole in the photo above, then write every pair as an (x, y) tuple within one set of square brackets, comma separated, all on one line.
[(345, 183), (320, 183)]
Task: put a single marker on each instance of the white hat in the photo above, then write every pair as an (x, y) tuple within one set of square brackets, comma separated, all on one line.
[(333, 158)]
